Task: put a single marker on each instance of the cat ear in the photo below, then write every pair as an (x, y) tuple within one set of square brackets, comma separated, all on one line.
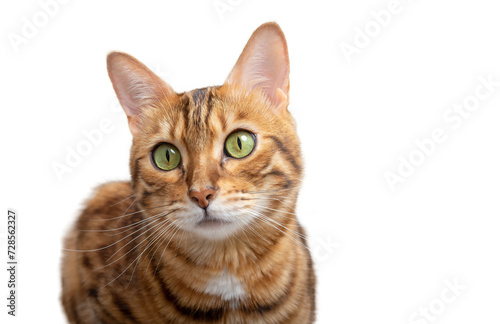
[(264, 64), (135, 86)]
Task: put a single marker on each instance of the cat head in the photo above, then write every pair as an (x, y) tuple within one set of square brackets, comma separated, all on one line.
[(216, 160)]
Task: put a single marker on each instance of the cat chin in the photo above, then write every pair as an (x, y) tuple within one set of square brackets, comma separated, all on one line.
[(219, 222), (215, 231)]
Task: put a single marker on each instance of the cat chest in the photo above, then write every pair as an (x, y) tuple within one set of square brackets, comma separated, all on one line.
[(225, 286)]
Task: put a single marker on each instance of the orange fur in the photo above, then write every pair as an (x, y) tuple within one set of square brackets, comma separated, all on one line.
[(136, 254)]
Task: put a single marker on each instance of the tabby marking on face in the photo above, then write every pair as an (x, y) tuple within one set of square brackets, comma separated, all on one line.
[(205, 231)]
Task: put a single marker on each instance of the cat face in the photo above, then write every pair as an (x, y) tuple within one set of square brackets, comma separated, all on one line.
[(217, 160)]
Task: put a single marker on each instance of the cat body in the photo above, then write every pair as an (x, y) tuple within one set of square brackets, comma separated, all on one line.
[(205, 231)]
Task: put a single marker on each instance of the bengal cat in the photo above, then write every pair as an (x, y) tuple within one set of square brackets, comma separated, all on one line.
[(205, 231)]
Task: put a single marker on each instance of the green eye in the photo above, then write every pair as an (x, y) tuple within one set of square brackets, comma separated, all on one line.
[(239, 144), (166, 156)]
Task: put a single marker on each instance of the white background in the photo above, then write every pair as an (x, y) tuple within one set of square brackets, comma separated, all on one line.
[(380, 254)]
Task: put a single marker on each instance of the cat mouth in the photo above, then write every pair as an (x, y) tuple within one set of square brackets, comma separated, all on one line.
[(210, 221)]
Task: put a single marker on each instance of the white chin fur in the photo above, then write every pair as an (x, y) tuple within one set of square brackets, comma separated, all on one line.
[(232, 220), (216, 232)]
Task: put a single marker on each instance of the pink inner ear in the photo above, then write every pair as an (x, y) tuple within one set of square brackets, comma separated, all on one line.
[(135, 86), (264, 64), (122, 89)]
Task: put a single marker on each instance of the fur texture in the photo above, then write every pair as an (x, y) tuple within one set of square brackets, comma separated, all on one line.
[(141, 251)]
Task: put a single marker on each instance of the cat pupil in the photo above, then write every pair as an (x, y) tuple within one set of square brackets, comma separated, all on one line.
[(168, 156), (239, 143)]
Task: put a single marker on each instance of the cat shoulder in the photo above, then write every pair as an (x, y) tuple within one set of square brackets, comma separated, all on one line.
[(110, 194)]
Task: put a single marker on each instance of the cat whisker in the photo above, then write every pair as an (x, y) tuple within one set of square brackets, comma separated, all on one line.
[(141, 221), (283, 201), (162, 233), (273, 209), (266, 220), (243, 228), (250, 227), (139, 211), (159, 224), (136, 259), (126, 210), (152, 255), (260, 209), (264, 217), (107, 265), (282, 198), (181, 239), (290, 202), (276, 196), (296, 178), (271, 190), (159, 260), (128, 227), (132, 195), (105, 247), (278, 223)]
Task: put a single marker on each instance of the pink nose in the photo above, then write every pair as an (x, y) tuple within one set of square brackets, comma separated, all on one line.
[(202, 198)]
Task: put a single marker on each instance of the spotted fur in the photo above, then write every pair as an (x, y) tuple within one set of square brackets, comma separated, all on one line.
[(137, 254)]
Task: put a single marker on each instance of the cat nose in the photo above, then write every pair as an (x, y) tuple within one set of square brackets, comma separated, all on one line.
[(202, 198)]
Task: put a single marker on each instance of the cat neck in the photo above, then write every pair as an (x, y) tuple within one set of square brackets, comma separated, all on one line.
[(242, 250)]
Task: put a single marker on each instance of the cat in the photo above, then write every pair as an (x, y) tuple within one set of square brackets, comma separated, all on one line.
[(205, 231)]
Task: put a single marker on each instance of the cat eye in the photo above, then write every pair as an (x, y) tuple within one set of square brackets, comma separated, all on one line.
[(239, 144), (166, 156)]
